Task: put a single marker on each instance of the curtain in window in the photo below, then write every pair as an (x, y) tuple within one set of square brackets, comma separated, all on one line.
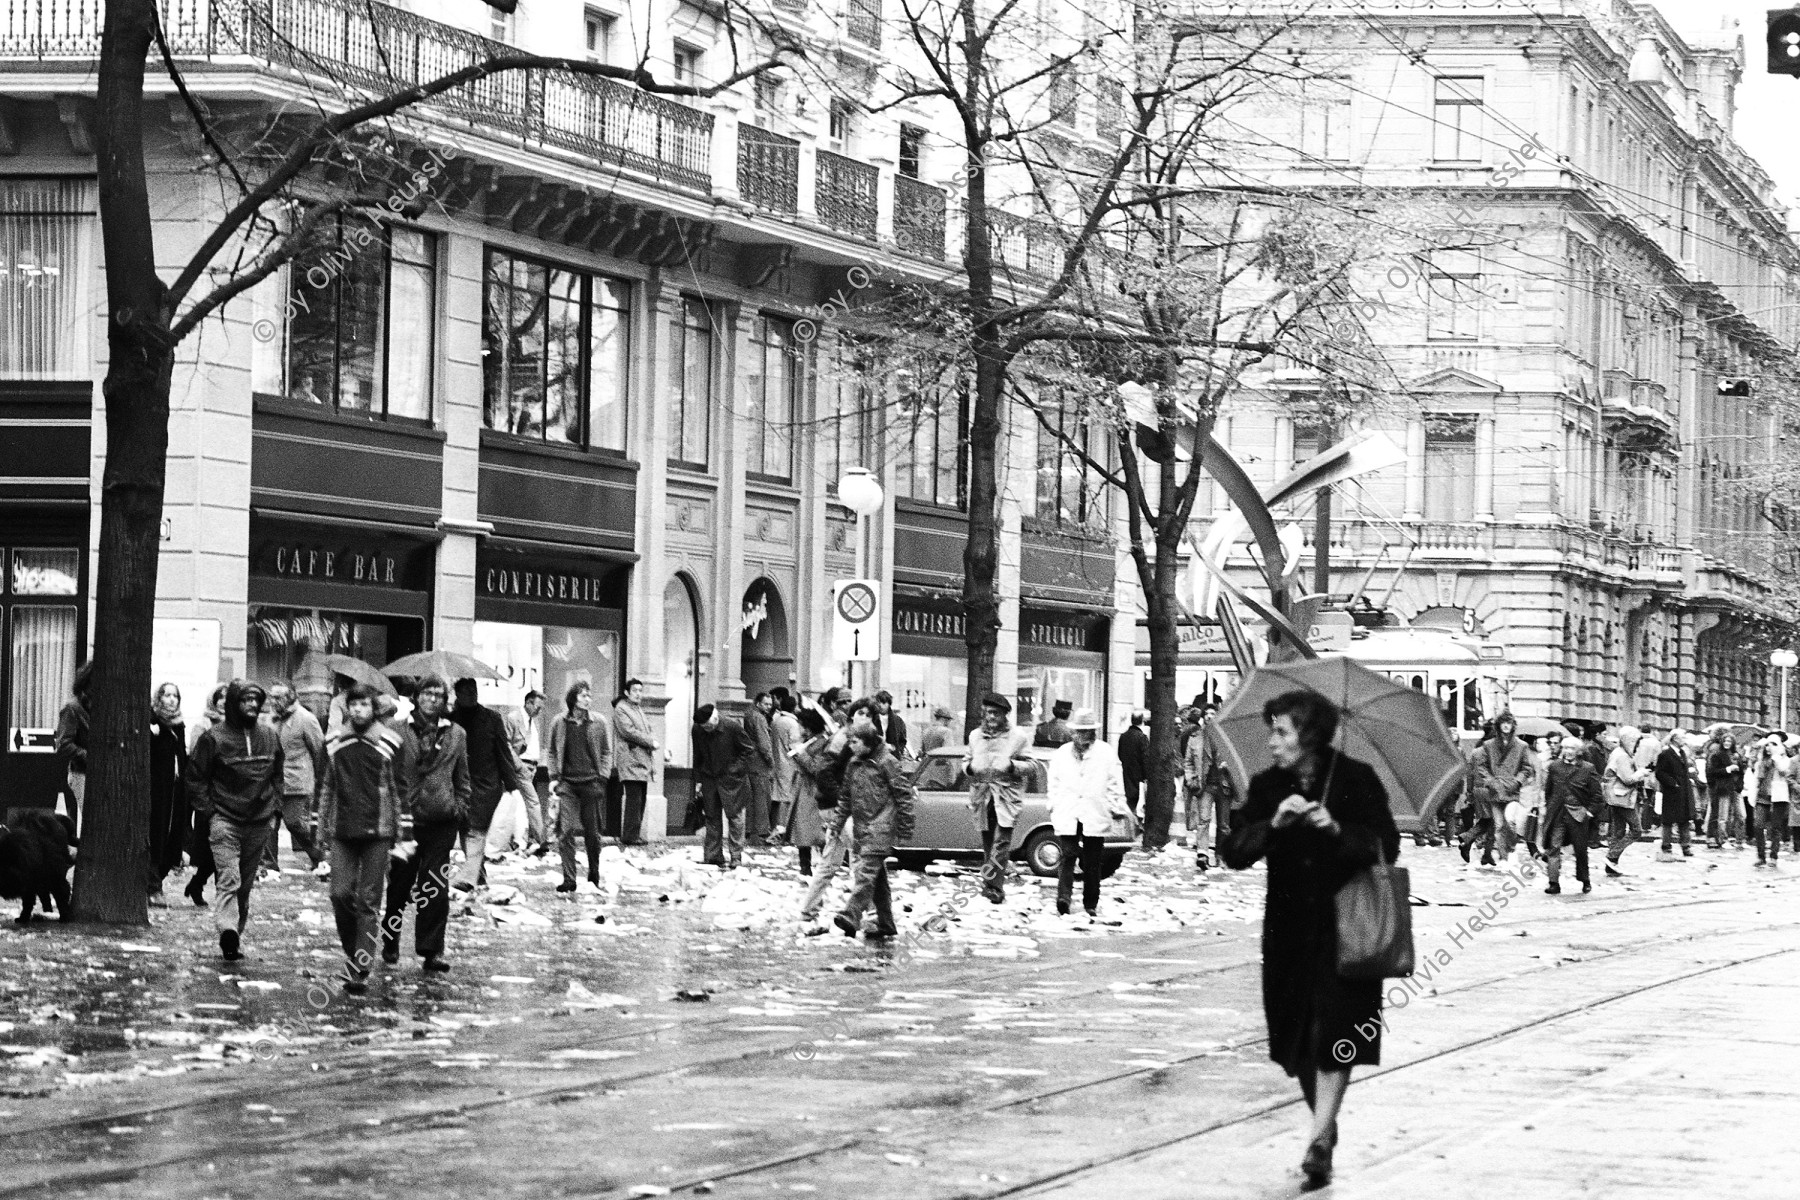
[(43, 274), (610, 372), (411, 322), (43, 664)]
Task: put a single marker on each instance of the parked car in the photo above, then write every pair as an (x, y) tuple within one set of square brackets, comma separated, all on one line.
[(945, 828)]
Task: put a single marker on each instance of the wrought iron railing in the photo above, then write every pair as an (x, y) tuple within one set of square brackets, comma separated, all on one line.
[(862, 21), (383, 49), (768, 169), (845, 198), (919, 210), (1020, 244)]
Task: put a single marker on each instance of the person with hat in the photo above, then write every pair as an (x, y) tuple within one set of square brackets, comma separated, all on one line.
[(998, 766), (1087, 792), (1055, 731)]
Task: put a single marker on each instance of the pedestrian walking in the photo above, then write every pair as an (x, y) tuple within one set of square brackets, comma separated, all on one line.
[(1200, 771), (361, 801), (879, 797), (71, 740), (436, 791), (171, 818), (1319, 817), (891, 723), (1086, 794), (634, 760), (723, 755), (302, 757), (761, 771), (1675, 784), (1502, 769), (1624, 785), (234, 781), (1571, 799), (822, 760), (493, 772), (939, 733), (1054, 732), (525, 726), (1134, 760), (200, 836), (1724, 789), (1772, 799), (580, 763), (998, 767)]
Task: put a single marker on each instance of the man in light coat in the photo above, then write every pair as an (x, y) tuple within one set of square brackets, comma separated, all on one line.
[(788, 737), (762, 770), (634, 758), (1087, 793), (302, 762), (1623, 783), (525, 727), (998, 768)]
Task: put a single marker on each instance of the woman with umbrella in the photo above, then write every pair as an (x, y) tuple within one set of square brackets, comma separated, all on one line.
[(1319, 816)]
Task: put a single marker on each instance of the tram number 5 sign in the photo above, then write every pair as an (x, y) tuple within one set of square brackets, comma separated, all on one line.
[(855, 620)]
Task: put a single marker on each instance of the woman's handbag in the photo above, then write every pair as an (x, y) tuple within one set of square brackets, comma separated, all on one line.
[(1124, 827), (1374, 924)]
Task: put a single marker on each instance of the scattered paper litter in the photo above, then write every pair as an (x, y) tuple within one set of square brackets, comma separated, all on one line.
[(258, 985), (579, 996)]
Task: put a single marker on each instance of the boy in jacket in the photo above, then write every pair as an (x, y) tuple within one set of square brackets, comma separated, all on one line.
[(435, 789), (234, 784), (361, 810), (879, 798)]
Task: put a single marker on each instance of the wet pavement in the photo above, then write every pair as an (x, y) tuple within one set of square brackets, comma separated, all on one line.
[(679, 1029)]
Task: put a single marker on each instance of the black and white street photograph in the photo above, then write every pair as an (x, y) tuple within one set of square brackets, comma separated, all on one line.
[(899, 599)]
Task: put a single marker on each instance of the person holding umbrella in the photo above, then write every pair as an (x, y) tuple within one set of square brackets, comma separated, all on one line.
[(1319, 817)]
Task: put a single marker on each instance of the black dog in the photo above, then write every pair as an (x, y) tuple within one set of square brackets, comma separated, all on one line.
[(34, 861)]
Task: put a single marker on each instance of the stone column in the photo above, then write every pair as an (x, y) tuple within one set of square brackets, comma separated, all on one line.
[(730, 578), (648, 434)]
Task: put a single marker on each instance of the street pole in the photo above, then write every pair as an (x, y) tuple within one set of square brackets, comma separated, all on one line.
[(1781, 660)]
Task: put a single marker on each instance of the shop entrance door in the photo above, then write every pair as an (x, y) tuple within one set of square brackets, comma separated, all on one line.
[(40, 620)]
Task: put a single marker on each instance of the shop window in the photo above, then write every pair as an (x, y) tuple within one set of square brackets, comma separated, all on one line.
[(777, 371), (360, 321), (43, 273), (556, 353), (846, 409), (41, 641), (1069, 489), (691, 344), (933, 447)]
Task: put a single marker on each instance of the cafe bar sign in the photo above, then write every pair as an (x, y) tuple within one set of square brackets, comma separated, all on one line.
[(370, 566)]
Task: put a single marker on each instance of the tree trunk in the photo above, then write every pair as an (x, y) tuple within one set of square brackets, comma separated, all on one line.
[(112, 870), (981, 554), (1165, 738)]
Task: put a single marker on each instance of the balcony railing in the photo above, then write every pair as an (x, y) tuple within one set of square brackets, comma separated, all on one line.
[(385, 49), (1021, 244), (846, 195), (768, 169), (862, 21), (919, 211)]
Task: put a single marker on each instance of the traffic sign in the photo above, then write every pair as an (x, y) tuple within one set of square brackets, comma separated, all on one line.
[(856, 620)]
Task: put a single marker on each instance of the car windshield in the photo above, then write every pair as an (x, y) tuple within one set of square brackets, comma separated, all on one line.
[(944, 773)]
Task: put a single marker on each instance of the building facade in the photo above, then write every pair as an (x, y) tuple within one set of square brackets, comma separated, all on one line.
[(1588, 395), (563, 392)]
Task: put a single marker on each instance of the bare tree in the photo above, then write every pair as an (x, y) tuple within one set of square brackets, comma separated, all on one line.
[(149, 317)]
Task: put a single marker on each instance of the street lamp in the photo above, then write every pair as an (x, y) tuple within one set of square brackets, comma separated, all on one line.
[(1783, 659), (860, 492)]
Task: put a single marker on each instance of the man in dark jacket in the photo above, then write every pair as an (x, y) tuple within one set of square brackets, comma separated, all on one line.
[(762, 769), (234, 780), (436, 793), (891, 723), (1571, 799), (1134, 759), (1502, 768), (581, 761), (723, 757), (72, 738), (493, 772), (1055, 731), (1675, 783), (360, 800)]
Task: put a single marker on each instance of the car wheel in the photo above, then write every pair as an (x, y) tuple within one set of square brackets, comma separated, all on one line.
[(1042, 852), (1110, 863), (911, 860)]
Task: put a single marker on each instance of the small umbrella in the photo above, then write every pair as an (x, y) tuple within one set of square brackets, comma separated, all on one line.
[(448, 663), (1538, 727), (1388, 725), (354, 669), (1743, 732)]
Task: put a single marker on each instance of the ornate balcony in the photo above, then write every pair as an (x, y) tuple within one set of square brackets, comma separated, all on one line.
[(846, 195), (768, 169), (862, 22), (384, 49), (919, 210)]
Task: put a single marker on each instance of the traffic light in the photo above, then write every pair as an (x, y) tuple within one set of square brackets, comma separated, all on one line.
[(1784, 41)]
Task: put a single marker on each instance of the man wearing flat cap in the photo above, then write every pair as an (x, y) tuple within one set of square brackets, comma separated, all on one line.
[(1055, 732), (998, 766)]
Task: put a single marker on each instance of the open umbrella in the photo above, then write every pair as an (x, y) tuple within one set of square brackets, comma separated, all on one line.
[(1538, 727), (354, 669), (448, 663), (1744, 732), (1394, 729)]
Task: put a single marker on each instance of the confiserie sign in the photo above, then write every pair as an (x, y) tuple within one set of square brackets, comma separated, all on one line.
[(544, 586)]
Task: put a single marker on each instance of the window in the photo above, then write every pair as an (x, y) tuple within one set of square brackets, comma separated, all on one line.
[(1109, 109), (1325, 120), (691, 384), (912, 143), (842, 126), (933, 447), (1449, 468), (1309, 439), (862, 21), (777, 369), (41, 636), (500, 25), (600, 36), (1453, 296), (1069, 489), (1063, 97), (768, 100), (685, 65), (556, 353), (43, 276), (361, 315), (845, 414), (1456, 119)]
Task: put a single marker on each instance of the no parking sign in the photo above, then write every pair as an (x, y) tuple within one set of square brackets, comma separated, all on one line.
[(855, 620)]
